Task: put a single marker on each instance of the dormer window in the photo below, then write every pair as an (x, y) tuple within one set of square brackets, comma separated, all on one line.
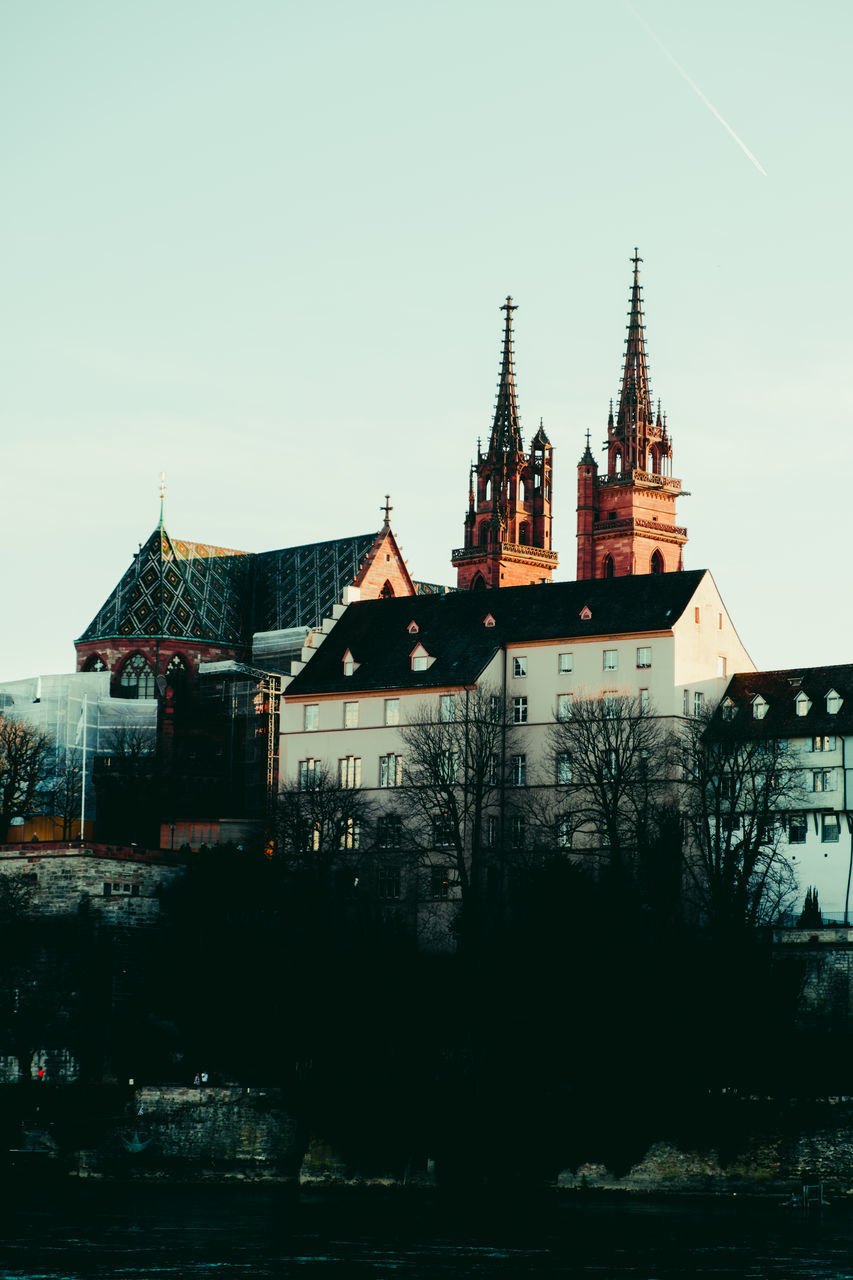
[(413, 628), (833, 703), (420, 659), (488, 621), (759, 707), (802, 705), (729, 709), (586, 613), (350, 664)]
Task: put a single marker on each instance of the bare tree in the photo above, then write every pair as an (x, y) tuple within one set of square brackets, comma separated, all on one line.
[(455, 798), (65, 789), (25, 764), (735, 791), (322, 823), (611, 761)]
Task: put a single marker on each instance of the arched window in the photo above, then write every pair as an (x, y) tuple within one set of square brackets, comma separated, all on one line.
[(617, 463), (657, 562), (523, 533), (176, 672), (95, 663), (607, 568), (387, 591), (478, 584), (137, 678)]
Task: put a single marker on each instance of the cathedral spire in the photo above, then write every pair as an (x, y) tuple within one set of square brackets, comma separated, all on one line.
[(635, 417), (506, 429)]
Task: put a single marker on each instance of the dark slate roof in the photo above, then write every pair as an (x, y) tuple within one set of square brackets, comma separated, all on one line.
[(194, 591), (189, 590), (451, 628), (779, 690)]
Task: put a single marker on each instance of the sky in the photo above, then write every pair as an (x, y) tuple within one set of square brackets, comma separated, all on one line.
[(262, 247)]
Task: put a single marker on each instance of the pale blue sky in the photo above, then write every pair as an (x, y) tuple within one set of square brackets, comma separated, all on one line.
[(262, 246)]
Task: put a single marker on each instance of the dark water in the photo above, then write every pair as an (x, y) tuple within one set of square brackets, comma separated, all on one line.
[(142, 1232)]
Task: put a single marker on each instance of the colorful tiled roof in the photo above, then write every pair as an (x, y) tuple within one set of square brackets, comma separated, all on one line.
[(297, 586), (452, 628)]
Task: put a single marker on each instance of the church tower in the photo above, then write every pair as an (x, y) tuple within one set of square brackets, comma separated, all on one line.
[(626, 518), (508, 524)]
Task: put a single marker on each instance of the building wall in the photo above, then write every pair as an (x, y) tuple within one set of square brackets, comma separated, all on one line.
[(64, 876)]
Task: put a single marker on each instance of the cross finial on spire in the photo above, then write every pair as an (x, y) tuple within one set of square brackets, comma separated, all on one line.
[(387, 509), (162, 495), (636, 260)]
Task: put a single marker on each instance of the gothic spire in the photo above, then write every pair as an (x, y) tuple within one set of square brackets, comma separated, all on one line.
[(506, 430), (635, 416)]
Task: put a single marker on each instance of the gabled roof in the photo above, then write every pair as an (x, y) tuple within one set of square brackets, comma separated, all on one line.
[(186, 590), (779, 689), (452, 628)]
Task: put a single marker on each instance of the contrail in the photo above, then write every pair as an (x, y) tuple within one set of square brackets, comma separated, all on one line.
[(744, 148)]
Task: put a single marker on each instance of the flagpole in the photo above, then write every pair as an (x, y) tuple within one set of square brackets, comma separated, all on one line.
[(83, 771)]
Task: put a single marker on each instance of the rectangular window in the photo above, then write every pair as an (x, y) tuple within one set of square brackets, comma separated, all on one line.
[(419, 662), (350, 715), (390, 771), (565, 701), (439, 883), (564, 663), (698, 703), (312, 717), (611, 659), (518, 831), (685, 709), (350, 837), (564, 769), (307, 775), (830, 828), (447, 708), (610, 703), (564, 832), (696, 613), (611, 764), (449, 766), (518, 771), (392, 710), (389, 831), (721, 665), (644, 701), (492, 831), (797, 828), (496, 708), (442, 831), (644, 656), (349, 771), (824, 743), (519, 711), (823, 780), (519, 667), (493, 771), (388, 884)]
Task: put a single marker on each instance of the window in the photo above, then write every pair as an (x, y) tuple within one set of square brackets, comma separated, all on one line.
[(307, 775), (390, 771), (797, 828), (564, 663), (518, 770), (564, 768), (611, 659), (518, 831), (349, 771), (493, 771), (349, 664), (419, 662), (721, 665), (729, 709), (448, 764), (439, 883), (644, 656), (564, 706), (496, 708), (825, 742), (112, 889), (802, 704), (137, 678), (644, 702), (389, 831), (447, 708), (388, 884), (610, 703), (519, 667), (492, 831), (696, 613), (759, 707), (823, 780), (519, 711), (611, 764), (685, 709), (311, 718), (351, 834), (698, 703), (392, 710), (833, 702), (350, 715), (830, 828), (564, 832)]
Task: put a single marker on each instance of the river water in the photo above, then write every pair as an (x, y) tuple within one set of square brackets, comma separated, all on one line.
[(139, 1232)]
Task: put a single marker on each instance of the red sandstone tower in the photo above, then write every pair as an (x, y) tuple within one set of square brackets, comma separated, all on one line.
[(626, 519), (508, 524)]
